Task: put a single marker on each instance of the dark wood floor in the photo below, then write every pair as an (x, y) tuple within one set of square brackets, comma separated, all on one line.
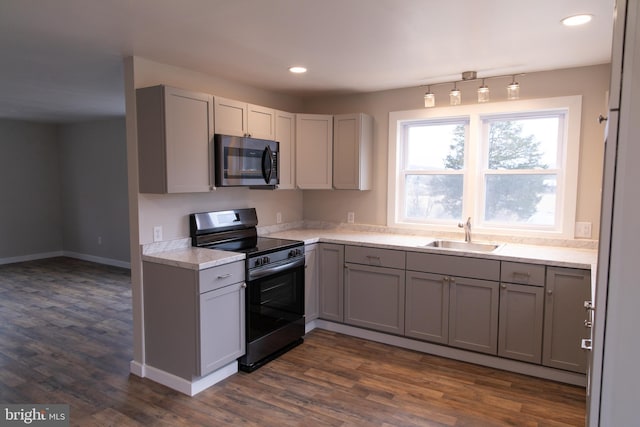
[(66, 337)]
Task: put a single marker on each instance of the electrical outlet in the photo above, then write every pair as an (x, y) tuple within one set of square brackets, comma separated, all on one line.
[(279, 218), (351, 217), (583, 229), (99, 240), (157, 233)]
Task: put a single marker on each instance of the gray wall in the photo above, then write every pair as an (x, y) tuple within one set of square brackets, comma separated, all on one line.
[(30, 207), (62, 187), (94, 189)]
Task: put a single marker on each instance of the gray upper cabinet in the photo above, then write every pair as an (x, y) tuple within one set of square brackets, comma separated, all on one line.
[(566, 291), (331, 267), (175, 128), (374, 289), (473, 314), (427, 307), (311, 289), (352, 151), (194, 320), (242, 119), (286, 136), (314, 148)]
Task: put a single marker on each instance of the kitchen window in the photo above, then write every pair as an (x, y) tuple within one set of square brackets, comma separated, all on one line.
[(512, 167)]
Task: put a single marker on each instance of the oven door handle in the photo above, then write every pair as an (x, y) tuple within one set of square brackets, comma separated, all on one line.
[(259, 273), (267, 164)]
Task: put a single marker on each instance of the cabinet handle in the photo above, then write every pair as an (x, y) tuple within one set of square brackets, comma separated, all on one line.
[(224, 276), (549, 292), (521, 274), (452, 280), (243, 285), (602, 118), (503, 286)]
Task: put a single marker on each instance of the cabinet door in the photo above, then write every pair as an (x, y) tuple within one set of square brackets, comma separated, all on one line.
[(286, 136), (314, 160), (175, 128), (352, 151), (473, 314), (374, 298), (427, 307), (222, 324), (310, 283), (231, 117), (566, 291), (331, 276), (261, 122), (520, 322)]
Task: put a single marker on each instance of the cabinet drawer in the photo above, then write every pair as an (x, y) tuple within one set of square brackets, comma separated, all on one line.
[(524, 274), (487, 269), (223, 275), (374, 256)]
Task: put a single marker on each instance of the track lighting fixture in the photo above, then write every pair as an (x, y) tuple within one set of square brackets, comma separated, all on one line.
[(455, 95)]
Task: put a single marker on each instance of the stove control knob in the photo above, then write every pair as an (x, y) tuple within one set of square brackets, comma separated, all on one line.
[(265, 260), (258, 262), (299, 252), (292, 253)]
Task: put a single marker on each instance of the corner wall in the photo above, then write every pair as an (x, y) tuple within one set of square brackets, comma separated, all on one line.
[(31, 212), (370, 207)]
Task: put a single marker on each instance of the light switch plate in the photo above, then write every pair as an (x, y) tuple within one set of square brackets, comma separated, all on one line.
[(279, 218), (157, 233), (583, 230), (351, 217)]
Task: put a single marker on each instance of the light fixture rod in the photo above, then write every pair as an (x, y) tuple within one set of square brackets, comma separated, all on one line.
[(475, 77)]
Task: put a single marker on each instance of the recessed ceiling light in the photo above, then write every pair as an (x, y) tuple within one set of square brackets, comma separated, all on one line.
[(297, 70), (572, 21)]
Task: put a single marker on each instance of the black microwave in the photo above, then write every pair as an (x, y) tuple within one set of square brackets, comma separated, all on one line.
[(245, 162)]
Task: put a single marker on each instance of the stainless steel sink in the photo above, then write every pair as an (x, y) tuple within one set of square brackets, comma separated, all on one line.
[(463, 246)]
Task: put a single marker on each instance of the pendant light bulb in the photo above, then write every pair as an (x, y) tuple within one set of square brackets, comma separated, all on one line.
[(513, 90), (483, 93), (429, 98), (455, 97)]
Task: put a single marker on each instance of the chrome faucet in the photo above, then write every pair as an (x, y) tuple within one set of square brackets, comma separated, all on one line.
[(467, 230)]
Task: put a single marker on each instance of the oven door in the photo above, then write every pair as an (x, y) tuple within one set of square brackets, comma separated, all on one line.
[(275, 300), (242, 161), (274, 314)]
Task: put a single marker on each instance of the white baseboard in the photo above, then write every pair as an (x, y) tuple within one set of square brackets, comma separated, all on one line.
[(32, 257), (97, 259), (190, 388), (137, 368), (70, 254), (454, 353)]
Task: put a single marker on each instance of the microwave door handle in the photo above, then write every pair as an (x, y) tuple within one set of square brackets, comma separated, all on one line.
[(267, 164)]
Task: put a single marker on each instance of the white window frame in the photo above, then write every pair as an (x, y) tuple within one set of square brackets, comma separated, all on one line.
[(568, 164)]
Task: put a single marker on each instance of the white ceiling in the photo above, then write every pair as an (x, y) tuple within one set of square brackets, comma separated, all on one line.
[(62, 59)]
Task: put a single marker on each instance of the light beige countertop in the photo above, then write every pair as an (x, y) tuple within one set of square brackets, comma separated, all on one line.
[(193, 258), (548, 255)]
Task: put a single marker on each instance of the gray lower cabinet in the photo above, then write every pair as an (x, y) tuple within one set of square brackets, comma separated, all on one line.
[(520, 329), (427, 307), (374, 298), (473, 314), (331, 267), (222, 326), (521, 311), (311, 290), (374, 288), (194, 320), (566, 291)]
